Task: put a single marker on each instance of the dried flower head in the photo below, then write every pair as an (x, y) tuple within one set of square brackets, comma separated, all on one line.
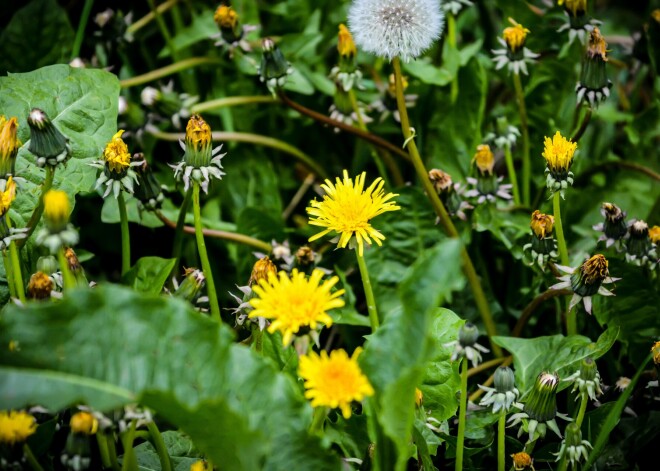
[(522, 461), (334, 380), (614, 228), (262, 270), (394, 28), (40, 286)]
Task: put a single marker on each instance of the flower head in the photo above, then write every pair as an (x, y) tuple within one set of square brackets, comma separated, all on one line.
[(56, 209), (167, 103), (191, 286), (579, 23), (542, 224), (16, 426), (484, 159), (614, 228), (295, 302), (487, 186), (522, 461), (9, 144), (543, 246), (515, 36), (84, 422), (116, 154), (655, 349), (47, 143), (262, 270), (7, 196), (346, 73), (594, 86), (225, 17), (347, 208), (334, 380), (654, 235), (345, 44), (450, 194), (392, 28), (40, 286), (558, 154), (116, 167), (274, 68), (232, 32), (200, 465), (514, 55)]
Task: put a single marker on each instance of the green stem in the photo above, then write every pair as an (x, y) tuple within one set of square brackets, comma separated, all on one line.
[(451, 38), (368, 292), (318, 420), (67, 277), (148, 18), (563, 251), (16, 267), (258, 335), (529, 447), (10, 276), (501, 435), (583, 126), (201, 247), (159, 444), (129, 462), (38, 211), (112, 450), (103, 450), (512, 174), (526, 164), (461, 415), (168, 70), (445, 221), (178, 231), (80, 33), (29, 456), (563, 464), (582, 410), (125, 235), (266, 141), (163, 29), (231, 101)]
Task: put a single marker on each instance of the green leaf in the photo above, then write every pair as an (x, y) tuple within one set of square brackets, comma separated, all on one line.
[(149, 274), (109, 346), (82, 103), (38, 34), (110, 212), (179, 447), (553, 353), (396, 356)]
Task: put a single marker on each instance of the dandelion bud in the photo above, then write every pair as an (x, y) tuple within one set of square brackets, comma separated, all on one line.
[(505, 393), (228, 22), (639, 248), (9, 144), (150, 96), (346, 72), (515, 55), (522, 461), (573, 448), (58, 232), (75, 267), (515, 37), (148, 191), (487, 185), (466, 346), (48, 264), (484, 159), (201, 465), (40, 286), (543, 246), (47, 143), (419, 397), (558, 154), (449, 193), (586, 380), (504, 379), (345, 45), (392, 28), (84, 423), (262, 270), (614, 227), (192, 284), (274, 67), (594, 86), (541, 404)]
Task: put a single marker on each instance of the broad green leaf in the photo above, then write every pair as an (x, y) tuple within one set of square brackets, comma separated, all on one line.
[(553, 353), (179, 447), (396, 356), (109, 346), (38, 34), (149, 274), (110, 212)]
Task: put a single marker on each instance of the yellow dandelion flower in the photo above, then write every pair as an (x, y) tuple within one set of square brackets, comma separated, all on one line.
[(295, 302), (116, 153), (655, 349), (558, 153), (84, 422), (541, 224), (595, 270), (597, 45), (9, 142), (15, 426), (56, 208), (484, 159), (345, 44), (198, 133), (419, 397), (40, 286), (347, 209), (335, 380), (515, 36), (655, 14), (225, 17), (200, 465), (7, 196), (574, 6), (262, 270), (522, 461), (654, 234)]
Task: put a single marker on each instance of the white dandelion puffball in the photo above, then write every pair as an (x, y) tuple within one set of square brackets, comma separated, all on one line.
[(395, 28)]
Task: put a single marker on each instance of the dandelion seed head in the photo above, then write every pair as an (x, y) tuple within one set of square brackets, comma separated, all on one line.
[(395, 28)]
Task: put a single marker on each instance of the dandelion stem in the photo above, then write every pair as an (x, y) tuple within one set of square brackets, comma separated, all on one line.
[(103, 450), (125, 235), (29, 456), (39, 210), (16, 266), (112, 450), (148, 18), (526, 164), (167, 70), (368, 292), (201, 247), (512, 174), (583, 126), (501, 435), (159, 444), (563, 252), (451, 38), (129, 462), (582, 410), (80, 32), (231, 101), (461, 415), (318, 420), (485, 366), (179, 228), (445, 221), (10, 276), (67, 277)]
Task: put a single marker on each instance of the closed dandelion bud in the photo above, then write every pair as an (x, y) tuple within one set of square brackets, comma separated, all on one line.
[(614, 227), (40, 286), (639, 248), (541, 405), (77, 453), (148, 191), (468, 334), (84, 423), (586, 380), (515, 55), (346, 73), (522, 461), (515, 37), (75, 267), (543, 246), (9, 145), (192, 284), (58, 232), (558, 154), (47, 143), (262, 270), (419, 397), (594, 86), (484, 160), (228, 22), (505, 393), (504, 379), (487, 184), (573, 449), (274, 67), (466, 346), (587, 279), (48, 264), (392, 28)]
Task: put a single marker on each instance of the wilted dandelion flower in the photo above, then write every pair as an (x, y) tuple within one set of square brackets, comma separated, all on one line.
[(116, 166), (295, 302), (543, 246), (9, 145), (515, 55), (334, 380), (522, 461), (586, 281), (558, 154), (640, 250), (347, 208), (614, 228), (395, 28), (487, 185), (16, 426), (594, 86), (450, 194), (40, 287)]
